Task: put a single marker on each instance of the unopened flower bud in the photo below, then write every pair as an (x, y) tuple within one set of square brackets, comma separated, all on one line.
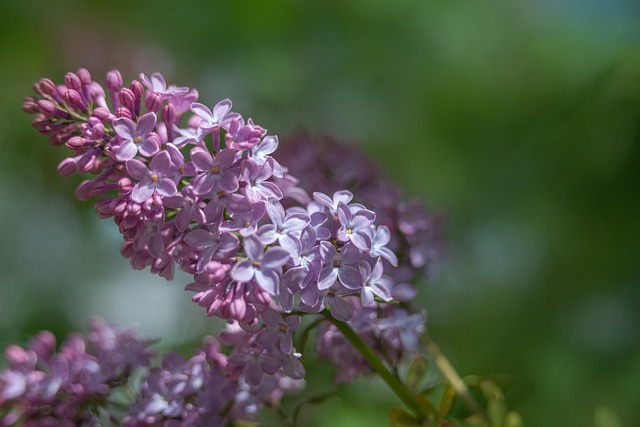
[(75, 143), (72, 81), (103, 114), (84, 75), (137, 88), (124, 112), (47, 107), (29, 105), (114, 80), (46, 86), (74, 99), (153, 102), (67, 166), (169, 115), (82, 192), (124, 185), (127, 98)]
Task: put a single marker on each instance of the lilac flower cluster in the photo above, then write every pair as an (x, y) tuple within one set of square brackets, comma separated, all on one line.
[(42, 387), (408, 243), (198, 189), (104, 377)]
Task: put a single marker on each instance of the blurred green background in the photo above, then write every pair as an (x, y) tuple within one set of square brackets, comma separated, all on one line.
[(520, 119)]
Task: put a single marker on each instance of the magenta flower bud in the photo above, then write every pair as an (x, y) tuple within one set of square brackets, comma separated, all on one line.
[(100, 189), (127, 98), (124, 112), (169, 115), (16, 355), (29, 106), (84, 75), (153, 102), (67, 166), (103, 114), (47, 107), (46, 86), (124, 185), (137, 88), (96, 91), (75, 143), (114, 80), (74, 99), (72, 81), (82, 192)]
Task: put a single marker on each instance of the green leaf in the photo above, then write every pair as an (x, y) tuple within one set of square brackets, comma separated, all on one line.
[(416, 372), (513, 420), (400, 418), (446, 401)]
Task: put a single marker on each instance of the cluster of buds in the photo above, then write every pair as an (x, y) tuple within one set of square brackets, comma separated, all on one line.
[(198, 189)]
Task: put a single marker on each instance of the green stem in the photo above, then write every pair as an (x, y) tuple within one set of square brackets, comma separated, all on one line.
[(421, 409), (453, 378)]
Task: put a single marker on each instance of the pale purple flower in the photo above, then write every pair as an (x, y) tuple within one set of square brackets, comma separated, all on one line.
[(339, 266), (353, 227), (342, 196), (262, 265), (278, 330), (136, 138), (332, 297), (241, 136), (157, 84), (255, 362), (190, 207), (220, 115), (402, 329), (256, 177), (285, 229), (245, 221), (380, 237), (188, 136), (218, 172), (374, 283), (262, 152), (209, 243), (152, 180)]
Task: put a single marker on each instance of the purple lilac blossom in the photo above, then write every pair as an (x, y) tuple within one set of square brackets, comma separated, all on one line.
[(329, 253)]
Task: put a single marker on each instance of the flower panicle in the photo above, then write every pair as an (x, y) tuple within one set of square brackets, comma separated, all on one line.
[(197, 188)]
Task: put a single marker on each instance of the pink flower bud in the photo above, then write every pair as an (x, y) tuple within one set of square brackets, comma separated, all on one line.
[(124, 185), (127, 98), (95, 91), (137, 88), (75, 143), (47, 107), (67, 166), (114, 80), (169, 115), (29, 105), (46, 86), (84, 75), (72, 81), (17, 355), (82, 192), (103, 114), (99, 189), (153, 102), (124, 112), (74, 99)]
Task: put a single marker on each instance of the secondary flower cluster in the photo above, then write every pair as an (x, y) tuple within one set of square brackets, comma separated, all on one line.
[(93, 379), (42, 387), (198, 189)]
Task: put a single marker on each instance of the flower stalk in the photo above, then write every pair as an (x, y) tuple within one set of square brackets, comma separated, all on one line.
[(423, 409)]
